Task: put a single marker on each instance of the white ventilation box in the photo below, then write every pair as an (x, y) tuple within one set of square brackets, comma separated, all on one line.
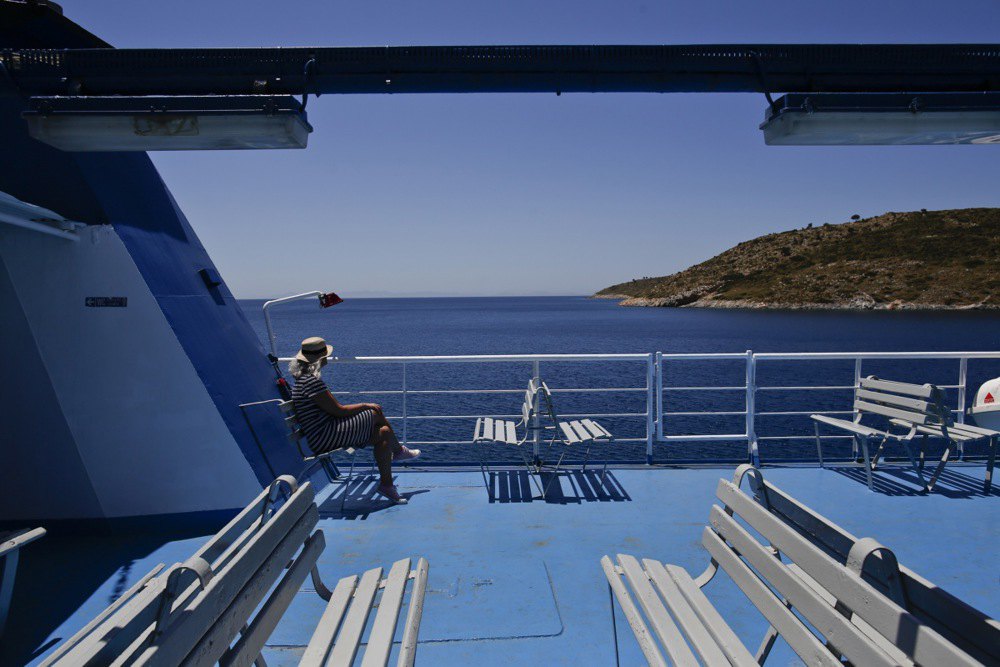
[(986, 408)]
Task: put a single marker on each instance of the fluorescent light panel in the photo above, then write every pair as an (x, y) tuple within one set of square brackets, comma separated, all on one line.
[(160, 123), (835, 119)]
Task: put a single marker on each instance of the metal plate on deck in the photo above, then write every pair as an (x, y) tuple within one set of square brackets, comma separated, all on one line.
[(511, 598)]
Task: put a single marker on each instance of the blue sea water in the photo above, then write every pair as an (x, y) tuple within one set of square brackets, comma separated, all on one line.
[(545, 325)]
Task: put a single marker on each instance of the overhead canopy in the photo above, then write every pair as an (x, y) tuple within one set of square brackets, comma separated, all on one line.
[(508, 69)]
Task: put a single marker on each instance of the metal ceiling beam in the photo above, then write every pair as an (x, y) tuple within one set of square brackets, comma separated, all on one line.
[(744, 68)]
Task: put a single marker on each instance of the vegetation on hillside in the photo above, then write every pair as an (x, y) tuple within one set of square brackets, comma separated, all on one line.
[(923, 259)]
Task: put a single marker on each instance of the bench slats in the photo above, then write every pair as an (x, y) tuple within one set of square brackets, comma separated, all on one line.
[(838, 630), (664, 626), (899, 656), (596, 429), (408, 648), (918, 390), (326, 630), (346, 647), (97, 620), (244, 652), (886, 411), (893, 400), (569, 433), (803, 642), (384, 629), (701, 639), (952, 618), (724, 636), (201, 611), (511, 432), (248, 576), (646, 642), (896, 624)]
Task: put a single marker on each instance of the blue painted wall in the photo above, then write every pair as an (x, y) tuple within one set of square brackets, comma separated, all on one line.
[(125, 190)]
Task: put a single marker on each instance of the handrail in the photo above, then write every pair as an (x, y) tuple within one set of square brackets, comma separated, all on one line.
[(660, 408)]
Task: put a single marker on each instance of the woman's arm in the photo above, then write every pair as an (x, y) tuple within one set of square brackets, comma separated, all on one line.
[(330, 405)]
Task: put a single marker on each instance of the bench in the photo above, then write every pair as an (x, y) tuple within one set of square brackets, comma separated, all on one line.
[(579, 432), (828, 594), (960, 434), (10, 552), (913, 405), (222, 603), (312, 460), (490, 430), (538, 401)]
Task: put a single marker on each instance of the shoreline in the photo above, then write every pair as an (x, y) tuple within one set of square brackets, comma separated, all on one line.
[(860, 303)]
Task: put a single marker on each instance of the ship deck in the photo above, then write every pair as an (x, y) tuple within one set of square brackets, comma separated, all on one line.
[(517, 580)]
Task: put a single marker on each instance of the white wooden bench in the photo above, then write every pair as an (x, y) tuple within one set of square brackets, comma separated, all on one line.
[(222, 604), (10, 552), (914, 405), (828, 594)]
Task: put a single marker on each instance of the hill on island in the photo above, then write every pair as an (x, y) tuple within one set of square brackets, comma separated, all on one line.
[(923, 259)]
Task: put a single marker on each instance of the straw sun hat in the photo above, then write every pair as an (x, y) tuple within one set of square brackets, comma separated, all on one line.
[(313, 349)]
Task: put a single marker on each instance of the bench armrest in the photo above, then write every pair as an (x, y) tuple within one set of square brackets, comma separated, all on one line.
[(853, 427), (18, 539)]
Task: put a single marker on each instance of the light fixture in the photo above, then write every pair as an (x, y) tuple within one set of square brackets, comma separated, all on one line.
[(163, 123), (850, 119)]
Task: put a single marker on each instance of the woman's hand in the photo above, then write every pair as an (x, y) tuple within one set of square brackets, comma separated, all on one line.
[(374, 406)]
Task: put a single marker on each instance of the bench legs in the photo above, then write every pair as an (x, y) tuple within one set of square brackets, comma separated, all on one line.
[(484, 467), (990, 461), (868, 462), (940, 466), (819, 443)]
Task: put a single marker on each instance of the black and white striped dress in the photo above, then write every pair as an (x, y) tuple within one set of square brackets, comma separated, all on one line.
[(323, 431)]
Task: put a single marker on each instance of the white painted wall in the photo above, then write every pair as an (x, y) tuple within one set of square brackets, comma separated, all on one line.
[(144, 426)]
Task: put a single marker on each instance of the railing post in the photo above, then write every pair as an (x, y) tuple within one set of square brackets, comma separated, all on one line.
[(963, 373), (405, 440), (536, 422), (855, 413), (659, 396), (650, 403), (753, 454)]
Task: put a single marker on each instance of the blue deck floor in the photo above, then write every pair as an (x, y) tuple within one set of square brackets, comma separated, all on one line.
[(517, 581)]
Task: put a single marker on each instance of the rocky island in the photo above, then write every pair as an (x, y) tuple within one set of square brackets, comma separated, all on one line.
[(918, 260)]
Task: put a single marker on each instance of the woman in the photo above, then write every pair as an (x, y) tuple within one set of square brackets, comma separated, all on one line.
[(328, 425)]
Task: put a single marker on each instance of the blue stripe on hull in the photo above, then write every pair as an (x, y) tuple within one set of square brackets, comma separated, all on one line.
[(208, 322)]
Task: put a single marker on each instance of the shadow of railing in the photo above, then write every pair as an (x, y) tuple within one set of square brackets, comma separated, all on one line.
[(563, 488), (901, 480)]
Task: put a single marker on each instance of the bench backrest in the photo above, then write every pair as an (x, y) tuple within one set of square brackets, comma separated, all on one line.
[(914, 403), (193, 611), (854, 598), (295, 433)]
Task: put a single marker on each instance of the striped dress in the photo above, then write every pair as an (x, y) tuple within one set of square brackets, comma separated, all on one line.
[(323, 431)]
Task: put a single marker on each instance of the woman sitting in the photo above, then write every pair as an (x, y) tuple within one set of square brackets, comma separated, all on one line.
[(328, 425)]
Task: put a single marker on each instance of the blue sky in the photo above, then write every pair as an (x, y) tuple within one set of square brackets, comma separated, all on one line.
[(533, 194)]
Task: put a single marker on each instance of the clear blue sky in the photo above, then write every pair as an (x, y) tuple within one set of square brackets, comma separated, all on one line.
[(533, 194)]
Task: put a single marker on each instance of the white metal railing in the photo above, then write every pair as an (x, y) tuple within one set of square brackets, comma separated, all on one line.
[(651, 376)]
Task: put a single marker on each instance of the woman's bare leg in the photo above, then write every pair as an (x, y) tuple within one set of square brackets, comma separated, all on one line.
[(382, 442), (382, 423)]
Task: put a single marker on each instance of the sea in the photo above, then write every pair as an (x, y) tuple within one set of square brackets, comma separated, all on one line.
[(700, 397)]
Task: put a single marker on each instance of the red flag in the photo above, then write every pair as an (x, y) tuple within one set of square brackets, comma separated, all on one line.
[(329, 299)]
